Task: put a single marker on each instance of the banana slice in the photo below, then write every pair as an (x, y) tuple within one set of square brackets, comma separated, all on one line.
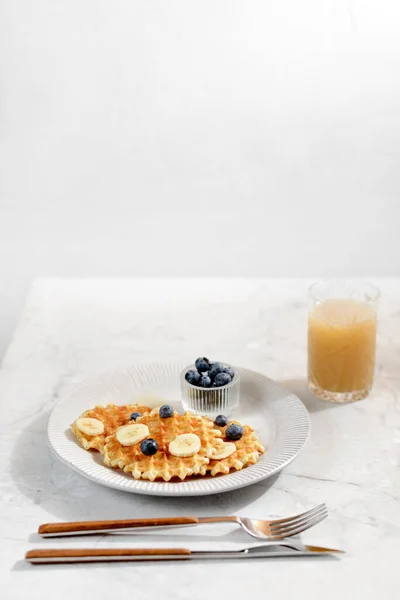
[(129, 435), (90, 426), (223, 450), (155, 410), (185, 444)]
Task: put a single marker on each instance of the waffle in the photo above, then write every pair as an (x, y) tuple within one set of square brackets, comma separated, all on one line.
[(248, 450), (112, 417), (163, 465)]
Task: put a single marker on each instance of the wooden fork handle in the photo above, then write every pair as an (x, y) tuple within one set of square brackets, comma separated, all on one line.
[(88, 527), (76, 555)]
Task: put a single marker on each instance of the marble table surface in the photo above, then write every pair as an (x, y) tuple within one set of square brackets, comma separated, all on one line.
[(74, 329)]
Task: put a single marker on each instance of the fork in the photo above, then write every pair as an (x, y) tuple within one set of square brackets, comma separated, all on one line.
[(271, 530)]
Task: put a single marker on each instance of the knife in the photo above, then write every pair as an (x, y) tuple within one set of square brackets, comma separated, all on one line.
[(78, 555)]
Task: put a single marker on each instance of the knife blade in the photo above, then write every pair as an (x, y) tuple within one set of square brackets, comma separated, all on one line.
[(267, 551)]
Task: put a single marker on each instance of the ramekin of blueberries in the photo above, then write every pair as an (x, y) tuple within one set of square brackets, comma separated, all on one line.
[(208, 374), (210, 387)]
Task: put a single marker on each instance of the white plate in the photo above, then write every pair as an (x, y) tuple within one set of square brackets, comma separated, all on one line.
[(278, 416)]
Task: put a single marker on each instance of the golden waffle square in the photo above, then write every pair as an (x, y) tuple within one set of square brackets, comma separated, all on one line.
[(112, 416), (248, 450), (164, 465)]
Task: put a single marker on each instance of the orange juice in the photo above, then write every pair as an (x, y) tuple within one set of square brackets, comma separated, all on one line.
[(341, 346)]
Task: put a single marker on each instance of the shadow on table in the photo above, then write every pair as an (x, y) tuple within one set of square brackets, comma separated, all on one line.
[(21, 565), (68, 496), (300, 388)]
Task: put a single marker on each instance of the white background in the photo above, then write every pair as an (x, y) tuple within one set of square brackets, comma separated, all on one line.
[(259, 137)]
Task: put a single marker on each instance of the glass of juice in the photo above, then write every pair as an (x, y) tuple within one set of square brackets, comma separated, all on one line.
[(342, 320)]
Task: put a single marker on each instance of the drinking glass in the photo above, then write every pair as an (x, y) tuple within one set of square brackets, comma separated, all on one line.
[(342, 323)]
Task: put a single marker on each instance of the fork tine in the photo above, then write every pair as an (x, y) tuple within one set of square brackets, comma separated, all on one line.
[(285, 531), (295, 522), (300, 528), (307, 525), (305, 515)]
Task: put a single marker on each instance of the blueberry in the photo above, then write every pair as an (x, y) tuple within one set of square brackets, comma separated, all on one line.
[(149, 447), (202, 364), (221, 421), (134, 416), (222, 379), (234, 432), (193, 377), (229, 370), (205, 382), (166, 411), (215, 368)]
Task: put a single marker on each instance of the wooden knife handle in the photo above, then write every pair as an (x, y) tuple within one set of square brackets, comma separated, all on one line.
[(76, 555), (87, 527)]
